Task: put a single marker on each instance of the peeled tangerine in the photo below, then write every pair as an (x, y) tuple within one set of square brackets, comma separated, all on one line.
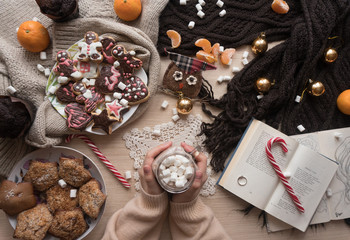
[(204, 44), (343, 102), (280, 6), (204, 56), (175, 38), (226, 56)]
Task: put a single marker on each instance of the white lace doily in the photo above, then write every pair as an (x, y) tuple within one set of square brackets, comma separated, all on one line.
[(184, 130)]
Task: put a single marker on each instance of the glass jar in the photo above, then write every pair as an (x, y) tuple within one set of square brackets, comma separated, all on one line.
[(174, 169)]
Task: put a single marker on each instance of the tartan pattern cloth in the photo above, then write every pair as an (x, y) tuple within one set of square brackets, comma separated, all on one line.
[(188, 64)]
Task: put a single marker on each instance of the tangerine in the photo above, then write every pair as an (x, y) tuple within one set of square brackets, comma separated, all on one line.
[(280, 6), (33, 36), (204, 56), (216, 51), (128, 10), (204, 44), (175, 38), (343, 102), (226, 56)]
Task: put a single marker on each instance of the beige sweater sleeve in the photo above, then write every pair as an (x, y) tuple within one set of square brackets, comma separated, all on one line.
[(194, 220), (141, 218)]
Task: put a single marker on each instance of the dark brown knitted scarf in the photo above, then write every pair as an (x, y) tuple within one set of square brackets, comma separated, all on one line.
[(305, 29)]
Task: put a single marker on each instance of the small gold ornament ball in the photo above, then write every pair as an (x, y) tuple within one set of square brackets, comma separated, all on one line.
[(259, 45), (184, 105), (263, 85), (316, 88), (330, 55)]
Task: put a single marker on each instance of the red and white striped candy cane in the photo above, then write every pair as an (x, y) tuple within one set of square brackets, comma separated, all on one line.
[(99, 154), (279, 172)]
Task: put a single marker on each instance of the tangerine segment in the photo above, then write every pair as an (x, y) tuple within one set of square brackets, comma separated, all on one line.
[(33, 36), (204, 56), (226, 56), (204, 44), (280, 6), (216, 51), (175, 38), (343, 102)]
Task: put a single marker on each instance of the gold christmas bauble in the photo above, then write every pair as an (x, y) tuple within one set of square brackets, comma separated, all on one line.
[(316, 88), (330, 55), (259, 45), (184, 105), (263, 85)]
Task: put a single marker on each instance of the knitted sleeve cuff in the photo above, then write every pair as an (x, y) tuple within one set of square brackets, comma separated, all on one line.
[(189, 211), (154, 201)]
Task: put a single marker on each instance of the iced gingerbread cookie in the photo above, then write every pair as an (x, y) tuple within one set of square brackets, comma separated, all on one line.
[(116, 109), (65, 93), (125, 61), (90, 98), (66, 68), (77, 118), (108, 80), (103, 120), (135, 91), (108, 43), (90, 50)]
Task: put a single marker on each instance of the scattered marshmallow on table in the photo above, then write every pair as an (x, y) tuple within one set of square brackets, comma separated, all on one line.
[(183, 2), (235, 69), (127, 175), (198, 7), (191, 24), (219, 3), (222, 13), (43, 56), (338, 135), (245, 54), (164, 104), (297, 99), (47, 72), (301, 128), (174, 111), (156, 132), (201, 2), (175, 118), (245, 61), (200, 14)]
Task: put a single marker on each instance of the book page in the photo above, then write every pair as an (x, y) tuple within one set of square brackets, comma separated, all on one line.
[(311, 174), (250, 162)]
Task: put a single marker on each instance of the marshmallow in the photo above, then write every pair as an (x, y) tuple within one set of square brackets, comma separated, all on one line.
[(191, 24), (259, 96), (62, 79), (174, 111), (87, 94), (201, 2), (11, 90), (116, 64), (221, 49), (219, 3), (166, 180), (47, 72), (73, 193), (98, 111), (180, 183), (301, 128), (156, 132), (287, 174), (164, 104), (124, 102), (177, 162), (166, 173), (108, 98), (220, 79), (173, 169), (245, 54), (297, 99), (162, 167), (189, 172), (17, 29), (183, 2), (329, 192), (245, 61), (132, 53), (43, 56), (62, 183), (35, 19), (127, 175), (338, 135), (200, 14), (53, 89), (92, 81), (173, 177), (117, 95), (222, 13), (235, 69), (86, 81), (175, 118), (198, 7), (121, 86)]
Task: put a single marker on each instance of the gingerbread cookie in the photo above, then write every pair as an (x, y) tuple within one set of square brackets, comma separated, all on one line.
[(125, 61), (90, 50), (65, 93), (77, 118), (66, 68), (108, 80), (16, 197), (104, 121), (116, 109), (135, 91), (91, 98), (108, 43)]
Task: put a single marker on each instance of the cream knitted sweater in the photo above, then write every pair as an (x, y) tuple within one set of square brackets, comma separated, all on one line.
[(143, 218), (18, 66)]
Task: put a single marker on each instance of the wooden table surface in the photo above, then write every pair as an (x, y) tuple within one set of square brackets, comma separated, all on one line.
[(225, 205)]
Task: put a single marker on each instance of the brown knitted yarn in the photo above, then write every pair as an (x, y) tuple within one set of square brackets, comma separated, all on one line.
[(290, 64)]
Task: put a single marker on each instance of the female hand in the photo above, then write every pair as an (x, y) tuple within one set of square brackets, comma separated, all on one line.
[(148, 181), (200, 177)]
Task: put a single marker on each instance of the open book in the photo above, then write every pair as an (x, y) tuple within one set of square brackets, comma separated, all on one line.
[(334, 144), (249, 175)]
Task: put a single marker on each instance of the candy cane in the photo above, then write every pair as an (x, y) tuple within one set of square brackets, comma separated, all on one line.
[(100, 156), (279, 172)]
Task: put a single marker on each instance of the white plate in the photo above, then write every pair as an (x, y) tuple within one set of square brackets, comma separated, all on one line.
[(52, 155), (52, 81)]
